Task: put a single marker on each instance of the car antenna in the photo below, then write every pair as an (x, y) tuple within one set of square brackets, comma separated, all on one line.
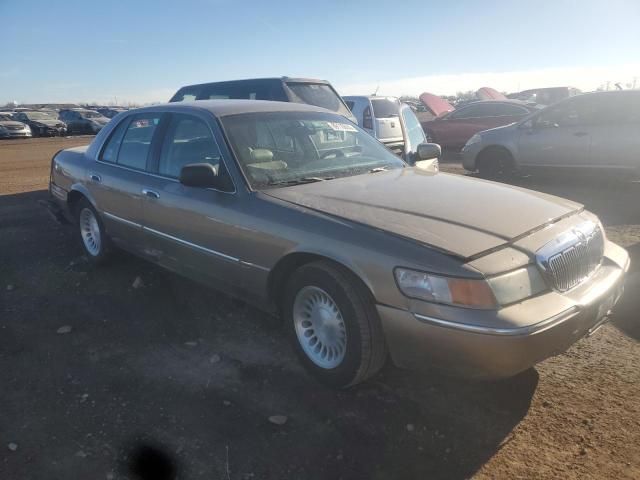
[(376, 91)]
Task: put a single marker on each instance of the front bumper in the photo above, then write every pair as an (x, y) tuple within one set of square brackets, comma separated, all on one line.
[(469, 154), (15, 134), (420, 342)]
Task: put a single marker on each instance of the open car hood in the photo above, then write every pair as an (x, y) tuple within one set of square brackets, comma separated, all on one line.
[(436, 105)]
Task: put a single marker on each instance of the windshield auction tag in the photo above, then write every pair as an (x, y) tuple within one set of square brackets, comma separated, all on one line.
[(341, 127)]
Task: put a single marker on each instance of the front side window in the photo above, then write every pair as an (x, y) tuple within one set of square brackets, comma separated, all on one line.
[(570, 113), (280, 148), (188, 140), (415, 134), (136, 142), (471, 111)]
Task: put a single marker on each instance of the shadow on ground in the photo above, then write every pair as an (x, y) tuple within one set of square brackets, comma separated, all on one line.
[(198, 375)]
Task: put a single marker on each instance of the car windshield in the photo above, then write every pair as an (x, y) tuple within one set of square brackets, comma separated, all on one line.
[(39, 116), (4, 118), (283, 148), (318, 94)]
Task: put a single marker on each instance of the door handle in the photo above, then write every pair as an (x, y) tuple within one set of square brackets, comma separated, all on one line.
[(150, 193), (581, 134), (95, 178)]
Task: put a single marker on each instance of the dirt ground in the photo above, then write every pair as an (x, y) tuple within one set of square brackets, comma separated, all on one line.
[(198, 375)]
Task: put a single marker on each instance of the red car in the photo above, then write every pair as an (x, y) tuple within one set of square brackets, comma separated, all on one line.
[(452, 130)]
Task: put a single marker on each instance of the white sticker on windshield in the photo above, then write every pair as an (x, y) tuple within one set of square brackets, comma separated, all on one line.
[(342, 127)]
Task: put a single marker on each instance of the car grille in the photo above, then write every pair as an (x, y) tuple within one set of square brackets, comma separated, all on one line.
[(579, 255), (14, 127)]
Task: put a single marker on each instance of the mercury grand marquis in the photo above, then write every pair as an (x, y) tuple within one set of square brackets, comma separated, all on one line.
[(365, 257)]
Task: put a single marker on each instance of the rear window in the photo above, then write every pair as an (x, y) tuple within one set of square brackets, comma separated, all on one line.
[(318, 94), (239, 90), (385, 108)]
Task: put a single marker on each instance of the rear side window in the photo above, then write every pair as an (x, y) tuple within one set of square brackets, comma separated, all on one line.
[(186, 94), (136, 142), (244, 90), (473, 111), (318, 94), (110, 150), (385, 108)]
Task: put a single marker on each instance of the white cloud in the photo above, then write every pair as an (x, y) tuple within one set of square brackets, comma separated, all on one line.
[(584, 78)]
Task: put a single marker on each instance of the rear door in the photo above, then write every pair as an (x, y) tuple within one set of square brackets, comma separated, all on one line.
[(386, 114), (560, 136), (115, 180), (615, 142)]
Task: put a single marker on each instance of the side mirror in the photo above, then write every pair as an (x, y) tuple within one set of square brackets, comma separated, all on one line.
[(202, 175), (427, 151)]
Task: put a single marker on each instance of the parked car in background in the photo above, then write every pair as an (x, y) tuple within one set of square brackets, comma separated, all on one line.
[(110, 112), (452, 130), (301, 212), (545, 96), (42, 123), (597, 132), (10, 128), (80, 120), (393, 123), (380, 116), (283, 89)]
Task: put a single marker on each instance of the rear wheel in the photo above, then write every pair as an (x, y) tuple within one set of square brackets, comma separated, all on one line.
[(93, 237), (495, 163), (333, 324)]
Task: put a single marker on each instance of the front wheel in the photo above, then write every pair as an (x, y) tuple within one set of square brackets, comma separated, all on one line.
[(333, 324), (93, 237)]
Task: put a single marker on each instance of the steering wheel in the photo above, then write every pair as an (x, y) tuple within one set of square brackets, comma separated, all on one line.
[(335, 153)]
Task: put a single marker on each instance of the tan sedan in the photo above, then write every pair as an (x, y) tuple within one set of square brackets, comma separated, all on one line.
[(366, 258)]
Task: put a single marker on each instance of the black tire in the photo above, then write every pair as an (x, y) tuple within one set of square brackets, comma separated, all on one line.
[(83, 211), (495, 163), (366, 350)]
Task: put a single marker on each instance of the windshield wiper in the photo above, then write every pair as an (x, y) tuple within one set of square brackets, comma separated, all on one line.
[(299, 181), (378, 169)]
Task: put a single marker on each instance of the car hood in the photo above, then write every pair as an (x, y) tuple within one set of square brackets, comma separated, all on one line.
[(11, 123), (435, 105), (459, 215), (50, 123)]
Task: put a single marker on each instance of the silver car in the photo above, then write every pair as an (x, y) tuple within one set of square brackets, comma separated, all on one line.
[(597, 132), (10, 128), (297, 210)]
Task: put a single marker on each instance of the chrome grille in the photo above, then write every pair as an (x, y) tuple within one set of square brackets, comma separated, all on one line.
[(574, 256)]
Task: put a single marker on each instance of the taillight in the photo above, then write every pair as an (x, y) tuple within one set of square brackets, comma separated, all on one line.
[(367, 119)]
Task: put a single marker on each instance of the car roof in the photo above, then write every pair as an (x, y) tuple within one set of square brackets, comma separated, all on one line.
[(372, 97), (265, 79), (222, 108)]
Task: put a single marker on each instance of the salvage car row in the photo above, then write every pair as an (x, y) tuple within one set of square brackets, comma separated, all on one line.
[(25, 123), (367, 256)]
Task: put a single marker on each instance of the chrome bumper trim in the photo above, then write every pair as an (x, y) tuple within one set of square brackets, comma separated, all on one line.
[(526, 330)]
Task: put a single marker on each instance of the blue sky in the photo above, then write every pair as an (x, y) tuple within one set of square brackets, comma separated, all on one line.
[(142, 50)]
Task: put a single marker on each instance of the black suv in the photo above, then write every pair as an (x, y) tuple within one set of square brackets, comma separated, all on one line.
[(284, 89)]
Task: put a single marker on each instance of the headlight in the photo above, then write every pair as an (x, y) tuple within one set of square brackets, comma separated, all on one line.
[(475, 139), (517, 285), (449, 290)]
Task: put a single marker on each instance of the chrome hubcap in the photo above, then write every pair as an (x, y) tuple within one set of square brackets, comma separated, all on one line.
[(320, 327), (90, 231)]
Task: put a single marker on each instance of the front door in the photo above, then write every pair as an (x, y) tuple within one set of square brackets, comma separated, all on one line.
[(188, 229), (560, 136)]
